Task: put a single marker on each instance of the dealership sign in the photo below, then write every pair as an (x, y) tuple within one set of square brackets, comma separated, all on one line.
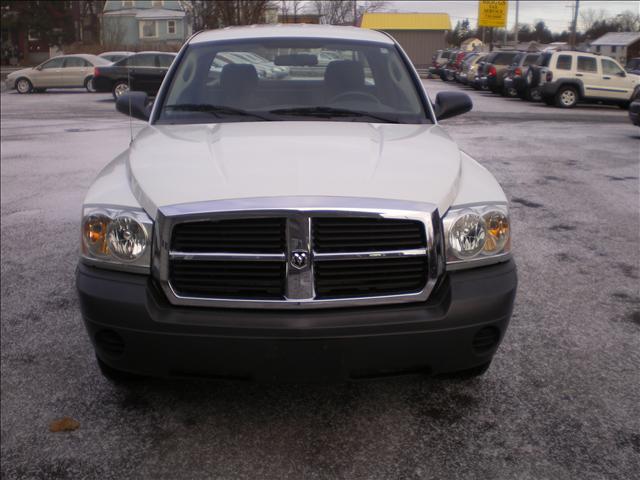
[(492, 13)]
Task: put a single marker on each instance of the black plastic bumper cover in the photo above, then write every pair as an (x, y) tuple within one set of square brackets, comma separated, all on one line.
[(135, 329)]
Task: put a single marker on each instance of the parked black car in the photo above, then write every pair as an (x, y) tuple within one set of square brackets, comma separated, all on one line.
[(143, 71), (494, 69), (515, 82)]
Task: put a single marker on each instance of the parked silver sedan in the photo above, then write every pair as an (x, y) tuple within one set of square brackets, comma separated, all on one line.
[(64, 71)]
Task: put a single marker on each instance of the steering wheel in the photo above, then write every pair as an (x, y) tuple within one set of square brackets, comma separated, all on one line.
[(355, 94)]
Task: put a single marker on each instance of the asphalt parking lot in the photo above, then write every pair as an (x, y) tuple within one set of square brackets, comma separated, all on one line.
[(560, 400)]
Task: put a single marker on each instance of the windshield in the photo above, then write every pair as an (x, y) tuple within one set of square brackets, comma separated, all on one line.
[(292, 79)]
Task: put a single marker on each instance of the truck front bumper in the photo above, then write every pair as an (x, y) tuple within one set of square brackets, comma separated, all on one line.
[(133, 328)]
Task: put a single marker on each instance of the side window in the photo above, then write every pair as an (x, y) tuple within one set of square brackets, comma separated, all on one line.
[(165, 61), (530, 60), (143, 61), (611, 68), (564, 62), (587, 64), (53, 63), (71, 62)]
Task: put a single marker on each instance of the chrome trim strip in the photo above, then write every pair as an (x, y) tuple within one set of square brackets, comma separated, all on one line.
[(299, 281), (479, 261), (299, 212), (360, 255), (254, 257)]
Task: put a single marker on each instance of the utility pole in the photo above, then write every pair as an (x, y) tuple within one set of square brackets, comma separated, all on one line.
[(355, 13), (573, 25), (517, 28)]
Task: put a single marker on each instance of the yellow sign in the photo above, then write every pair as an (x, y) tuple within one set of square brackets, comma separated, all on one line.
[(492, 13)]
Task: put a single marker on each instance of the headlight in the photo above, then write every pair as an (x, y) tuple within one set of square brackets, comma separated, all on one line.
[(477, 235), (119, 239), (127, 238)]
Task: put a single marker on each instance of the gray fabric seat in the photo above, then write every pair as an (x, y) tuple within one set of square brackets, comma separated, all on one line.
[(238, 83), (343, 76)]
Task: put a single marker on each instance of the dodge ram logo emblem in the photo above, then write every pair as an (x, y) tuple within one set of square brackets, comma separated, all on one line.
[(299, 259)]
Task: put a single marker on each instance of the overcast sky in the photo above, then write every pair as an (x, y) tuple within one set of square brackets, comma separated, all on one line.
[(555, 13)]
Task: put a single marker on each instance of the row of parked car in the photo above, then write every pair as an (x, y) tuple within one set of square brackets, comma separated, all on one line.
[(118, 72), (561, 78)]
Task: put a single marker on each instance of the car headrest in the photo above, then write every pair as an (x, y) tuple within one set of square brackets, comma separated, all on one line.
[(238, 77), (344, 75)]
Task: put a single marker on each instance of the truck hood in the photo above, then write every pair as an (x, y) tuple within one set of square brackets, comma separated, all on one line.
[(174, 164)]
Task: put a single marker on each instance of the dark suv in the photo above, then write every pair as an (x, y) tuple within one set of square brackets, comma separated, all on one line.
[(494, 69), (515, 83)]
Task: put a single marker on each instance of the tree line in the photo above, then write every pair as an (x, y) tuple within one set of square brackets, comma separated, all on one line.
[(594, 25)]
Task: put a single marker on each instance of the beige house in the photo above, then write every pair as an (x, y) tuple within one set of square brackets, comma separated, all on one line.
[(419, 34)]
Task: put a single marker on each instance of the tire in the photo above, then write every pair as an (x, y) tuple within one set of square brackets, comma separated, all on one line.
[(23, 85), (88, 84), (566, 97), (534, 95), (450, 76), (117, 377), (509, 92), (119, 88)]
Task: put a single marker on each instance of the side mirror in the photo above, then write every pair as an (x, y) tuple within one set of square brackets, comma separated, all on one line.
[(135, 104), (622, 74), (450, 104)]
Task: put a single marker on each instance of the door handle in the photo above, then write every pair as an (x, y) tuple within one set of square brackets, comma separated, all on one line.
[(579, 75), (606, 78)]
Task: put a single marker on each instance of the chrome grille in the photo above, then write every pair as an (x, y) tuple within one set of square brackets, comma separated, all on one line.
[(366, 277), (256, 253), (336, 234)]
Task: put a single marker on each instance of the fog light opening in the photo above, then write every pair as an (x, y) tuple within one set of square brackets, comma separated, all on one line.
[(110, 343), (486, 339)]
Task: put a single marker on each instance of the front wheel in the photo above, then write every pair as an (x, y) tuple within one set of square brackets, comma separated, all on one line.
[(509, 92), (24, 86), (534, 94), (566, 97), (88, 84), (119, 89)]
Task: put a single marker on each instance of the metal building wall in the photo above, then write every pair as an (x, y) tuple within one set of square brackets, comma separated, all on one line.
[(420, 45)]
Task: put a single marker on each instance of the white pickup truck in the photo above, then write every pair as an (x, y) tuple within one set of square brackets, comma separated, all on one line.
[(316, 225)]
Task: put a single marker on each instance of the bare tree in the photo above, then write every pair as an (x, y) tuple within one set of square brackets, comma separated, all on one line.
[(223, 13), (629, 21), (590, 17), (113, 33), (341, 12), (371, 7), (335, 12), (290, 10)]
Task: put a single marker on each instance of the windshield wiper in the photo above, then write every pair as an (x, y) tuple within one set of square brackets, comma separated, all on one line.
[(328, 112), (217, 110)]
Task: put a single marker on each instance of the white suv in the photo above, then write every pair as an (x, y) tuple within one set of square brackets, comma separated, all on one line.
[(567, 77)]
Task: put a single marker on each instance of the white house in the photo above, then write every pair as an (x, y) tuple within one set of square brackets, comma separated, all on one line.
[(622, 46)]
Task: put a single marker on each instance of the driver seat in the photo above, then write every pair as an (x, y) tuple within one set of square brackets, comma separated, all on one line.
[(343, 76)]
